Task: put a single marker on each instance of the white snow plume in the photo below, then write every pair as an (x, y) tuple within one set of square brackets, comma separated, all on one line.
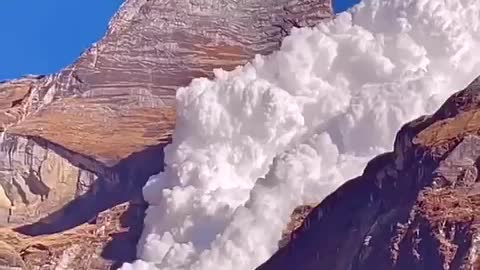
[(289, 128)]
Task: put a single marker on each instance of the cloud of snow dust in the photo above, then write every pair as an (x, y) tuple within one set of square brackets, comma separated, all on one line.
[(289, 128)]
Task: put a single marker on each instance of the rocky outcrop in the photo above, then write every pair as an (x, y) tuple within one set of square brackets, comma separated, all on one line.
[(414, 208), (94, 245), (79, 142), (296, 219), (9, 258)]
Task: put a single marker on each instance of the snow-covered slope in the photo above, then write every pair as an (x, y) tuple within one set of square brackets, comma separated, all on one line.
[(287, 129)]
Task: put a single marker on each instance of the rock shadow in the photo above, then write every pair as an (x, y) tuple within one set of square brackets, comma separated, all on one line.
[(120, 184)]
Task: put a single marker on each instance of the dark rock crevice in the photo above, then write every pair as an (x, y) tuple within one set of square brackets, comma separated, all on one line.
[(132, 173)]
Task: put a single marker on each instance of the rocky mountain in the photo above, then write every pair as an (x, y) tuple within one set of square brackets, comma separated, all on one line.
[(76, 147), (416, 207)]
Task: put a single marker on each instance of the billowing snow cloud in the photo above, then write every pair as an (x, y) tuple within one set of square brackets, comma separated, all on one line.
[(289, 128)]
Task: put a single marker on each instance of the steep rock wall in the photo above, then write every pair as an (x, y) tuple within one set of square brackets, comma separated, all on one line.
[(413, 208)]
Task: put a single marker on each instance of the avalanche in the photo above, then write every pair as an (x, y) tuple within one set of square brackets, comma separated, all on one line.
[(291, 127)]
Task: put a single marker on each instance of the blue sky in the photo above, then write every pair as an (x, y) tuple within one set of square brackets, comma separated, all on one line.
[(342, 5), (43, 36)]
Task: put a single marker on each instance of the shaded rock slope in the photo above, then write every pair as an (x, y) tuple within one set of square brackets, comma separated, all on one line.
[(417, 207), (76, 145)]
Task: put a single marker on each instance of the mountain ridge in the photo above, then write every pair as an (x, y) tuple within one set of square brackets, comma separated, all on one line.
[(413, 208)]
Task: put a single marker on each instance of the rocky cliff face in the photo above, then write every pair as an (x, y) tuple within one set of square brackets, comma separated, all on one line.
[(414, 208), (84, 140)]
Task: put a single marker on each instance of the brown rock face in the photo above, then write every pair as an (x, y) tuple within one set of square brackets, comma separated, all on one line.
[(296, 219), (97, 245), (79, 142), (417, 207)]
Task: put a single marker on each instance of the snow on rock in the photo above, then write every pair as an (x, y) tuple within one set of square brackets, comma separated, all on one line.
[(289, 128)]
